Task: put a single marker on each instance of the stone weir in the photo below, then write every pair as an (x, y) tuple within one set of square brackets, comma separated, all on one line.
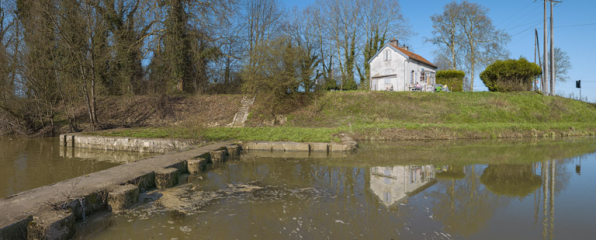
[(50, 212), (149, 145), (158, 145)]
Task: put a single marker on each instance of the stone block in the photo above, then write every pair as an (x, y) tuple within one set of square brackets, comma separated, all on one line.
[(262, 146), (89, 204), (249, 145), (181, 166), (233, 150), (70, 140), (166, 178), (123, 197), (218, 156), (51, 224), (319, 147), (338, 147), (196, 165), (144, 182), (277, 146), (16, 229), (296, 147)]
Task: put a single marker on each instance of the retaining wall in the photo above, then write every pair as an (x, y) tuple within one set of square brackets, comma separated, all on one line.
[(153, 145)]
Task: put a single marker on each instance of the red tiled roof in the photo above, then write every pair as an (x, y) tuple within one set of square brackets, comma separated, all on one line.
[(414, 56)]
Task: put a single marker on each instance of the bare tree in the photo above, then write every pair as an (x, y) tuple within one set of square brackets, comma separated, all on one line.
[(382, 19), (447, 35), (341, 24), (263, 21), (562, 65), (483, 42)]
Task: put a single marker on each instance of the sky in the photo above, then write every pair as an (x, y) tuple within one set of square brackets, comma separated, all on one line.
[(574, 33)]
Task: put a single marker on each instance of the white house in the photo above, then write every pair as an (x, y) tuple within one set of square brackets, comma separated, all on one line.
[(395, 184), (395, 68)]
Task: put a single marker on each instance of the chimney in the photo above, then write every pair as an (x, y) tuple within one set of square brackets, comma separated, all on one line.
[(407, 48), (394, 42)]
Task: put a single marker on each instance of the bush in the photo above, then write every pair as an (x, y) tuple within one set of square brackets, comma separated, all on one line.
[(350, 84), (330, 84), (454, 79), (510, 75)]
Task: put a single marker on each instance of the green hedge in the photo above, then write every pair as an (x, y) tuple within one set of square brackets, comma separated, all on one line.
[(510, 75), (454, 79)]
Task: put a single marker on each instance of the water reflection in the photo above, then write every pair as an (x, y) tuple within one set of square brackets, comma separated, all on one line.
[(376, 195), (393, 185), (30, 163), (119, 157), (511, 179)]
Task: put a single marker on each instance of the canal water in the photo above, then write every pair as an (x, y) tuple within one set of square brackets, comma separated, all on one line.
[(388, 190), (30, 163)]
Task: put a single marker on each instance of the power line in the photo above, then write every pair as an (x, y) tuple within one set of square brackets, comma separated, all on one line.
[(578, 25), (510, 18)]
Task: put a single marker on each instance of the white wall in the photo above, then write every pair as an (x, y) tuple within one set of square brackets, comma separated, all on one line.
[(396, 66)]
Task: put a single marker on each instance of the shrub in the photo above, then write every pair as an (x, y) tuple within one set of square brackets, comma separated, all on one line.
[(350, 84), (510, 75), (330, 84), (454, 79)]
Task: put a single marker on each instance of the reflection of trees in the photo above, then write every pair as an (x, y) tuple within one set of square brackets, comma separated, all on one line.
[(452, 173), (511, 179), (464, 205)]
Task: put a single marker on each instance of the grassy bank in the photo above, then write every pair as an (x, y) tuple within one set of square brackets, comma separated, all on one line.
[(402, 115)]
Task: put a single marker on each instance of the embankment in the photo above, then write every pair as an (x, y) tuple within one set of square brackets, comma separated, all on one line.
[(405, 116), (361, 114)]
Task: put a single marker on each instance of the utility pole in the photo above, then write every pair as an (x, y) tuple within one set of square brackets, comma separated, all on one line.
[(537, 49), (535, 44), (544, 68), (549, 67), (552, 53)]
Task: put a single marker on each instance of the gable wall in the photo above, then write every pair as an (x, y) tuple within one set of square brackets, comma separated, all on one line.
[(394, 66), (399, 66)]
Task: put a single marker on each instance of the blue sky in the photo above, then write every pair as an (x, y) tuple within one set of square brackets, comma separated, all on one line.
[(575, 31)]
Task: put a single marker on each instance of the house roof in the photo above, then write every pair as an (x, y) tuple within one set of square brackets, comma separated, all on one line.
[(414, 56), (407, 54)]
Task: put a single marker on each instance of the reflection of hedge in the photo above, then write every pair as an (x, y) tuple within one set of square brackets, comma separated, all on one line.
[(510, 75), (450, 175), (510, 179), (454, 79)]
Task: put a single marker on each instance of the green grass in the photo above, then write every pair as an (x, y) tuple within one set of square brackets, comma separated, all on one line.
[(359, 107), (368, 115), (242, 134)]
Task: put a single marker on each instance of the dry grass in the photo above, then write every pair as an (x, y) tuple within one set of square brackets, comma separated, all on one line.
[(164, 111)]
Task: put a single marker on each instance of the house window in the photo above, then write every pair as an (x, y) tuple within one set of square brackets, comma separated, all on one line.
[(387, 196), (387, 55)]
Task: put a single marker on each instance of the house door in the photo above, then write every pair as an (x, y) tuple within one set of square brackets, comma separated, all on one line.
[(374, 85), (388, 84)]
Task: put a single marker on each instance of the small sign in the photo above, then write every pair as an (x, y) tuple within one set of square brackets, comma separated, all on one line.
[(578, 84)]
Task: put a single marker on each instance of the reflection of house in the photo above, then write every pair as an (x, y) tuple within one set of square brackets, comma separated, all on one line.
[(394, 184)]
